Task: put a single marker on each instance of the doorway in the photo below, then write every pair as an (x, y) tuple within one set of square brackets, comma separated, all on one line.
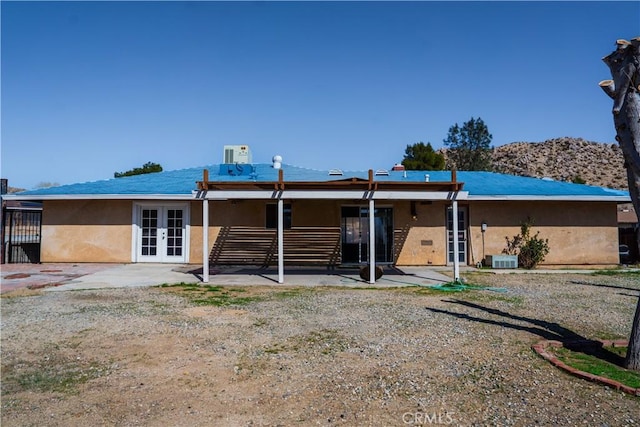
[(355, 235), (161, 233), (462, 234)]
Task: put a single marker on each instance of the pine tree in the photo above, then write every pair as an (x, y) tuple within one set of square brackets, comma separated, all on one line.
[(469, 146), (422, 157)]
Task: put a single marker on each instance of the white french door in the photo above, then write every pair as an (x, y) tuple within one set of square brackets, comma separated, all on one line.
[(161, 233)]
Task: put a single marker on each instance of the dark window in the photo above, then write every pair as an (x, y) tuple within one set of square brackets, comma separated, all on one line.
[(272, 216)]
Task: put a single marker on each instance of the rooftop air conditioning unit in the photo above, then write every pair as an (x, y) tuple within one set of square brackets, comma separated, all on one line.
[(502, 261), (237, 154)]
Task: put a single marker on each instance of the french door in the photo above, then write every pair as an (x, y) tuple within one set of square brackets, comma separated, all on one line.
[(161, 233)]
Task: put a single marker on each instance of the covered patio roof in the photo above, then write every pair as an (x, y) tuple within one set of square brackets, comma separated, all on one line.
[(348, 188), (370, 190)]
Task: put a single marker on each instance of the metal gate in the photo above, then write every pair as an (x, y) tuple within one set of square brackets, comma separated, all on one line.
[(21, 230)]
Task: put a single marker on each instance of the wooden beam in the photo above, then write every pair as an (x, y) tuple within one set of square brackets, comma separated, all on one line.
[(280, 185), (335, 185)]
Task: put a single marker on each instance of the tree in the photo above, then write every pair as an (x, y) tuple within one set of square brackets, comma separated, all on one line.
[(146, 168), (422, 157), (624, 89), (469, 146)]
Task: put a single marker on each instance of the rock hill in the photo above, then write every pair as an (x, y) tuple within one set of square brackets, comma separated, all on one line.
[(564, 159)]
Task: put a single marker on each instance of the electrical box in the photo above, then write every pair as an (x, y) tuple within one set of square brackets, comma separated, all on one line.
[(502, 261), (237, 154)]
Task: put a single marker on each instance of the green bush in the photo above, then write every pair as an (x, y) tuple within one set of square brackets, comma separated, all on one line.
[(531, 250), (578, 180)]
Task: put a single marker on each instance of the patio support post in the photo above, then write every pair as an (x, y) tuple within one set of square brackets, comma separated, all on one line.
[(205, 240), (456, 254), (280, 241), (372, 242)]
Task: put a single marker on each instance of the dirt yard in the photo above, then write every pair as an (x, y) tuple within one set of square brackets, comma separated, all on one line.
[(273, 356)]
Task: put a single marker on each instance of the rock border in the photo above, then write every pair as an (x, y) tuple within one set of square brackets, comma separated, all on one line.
[(541, 349)]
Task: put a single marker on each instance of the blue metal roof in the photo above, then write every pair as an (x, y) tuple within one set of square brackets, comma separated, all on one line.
[(183, 182)]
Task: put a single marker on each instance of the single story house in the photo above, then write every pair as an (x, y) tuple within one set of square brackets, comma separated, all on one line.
[(278, 214)]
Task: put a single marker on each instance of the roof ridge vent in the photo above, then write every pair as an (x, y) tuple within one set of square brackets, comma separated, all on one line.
[(335, 172), (382, 172)]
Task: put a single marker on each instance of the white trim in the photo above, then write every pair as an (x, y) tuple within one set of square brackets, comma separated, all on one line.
[(41, 197), (333, 195), (623, 199), (364, 195), (400, 195), (20, 208)]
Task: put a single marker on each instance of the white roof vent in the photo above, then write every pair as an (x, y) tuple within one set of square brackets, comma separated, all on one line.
[(382, 172), (335, 172), (277, 162)]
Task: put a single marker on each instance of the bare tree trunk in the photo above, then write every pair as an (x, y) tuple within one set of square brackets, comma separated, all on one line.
[(624, 89)]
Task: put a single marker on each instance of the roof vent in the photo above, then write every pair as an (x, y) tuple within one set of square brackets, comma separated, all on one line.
[(277, 161), (382, 172), (335, 172), (426, 177)]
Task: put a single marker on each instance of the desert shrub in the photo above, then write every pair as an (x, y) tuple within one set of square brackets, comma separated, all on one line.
[(578, 180), (531, 250)]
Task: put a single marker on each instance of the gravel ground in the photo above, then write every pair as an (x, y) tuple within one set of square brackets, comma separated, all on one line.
[(312, 356)]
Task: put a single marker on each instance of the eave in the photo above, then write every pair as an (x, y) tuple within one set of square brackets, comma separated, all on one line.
[(556, 198), (43, 197)]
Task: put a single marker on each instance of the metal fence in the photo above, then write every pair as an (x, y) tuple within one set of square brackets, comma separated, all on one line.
[(21, 230)]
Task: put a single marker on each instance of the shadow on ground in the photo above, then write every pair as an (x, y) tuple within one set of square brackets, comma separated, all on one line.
[(546, 330)]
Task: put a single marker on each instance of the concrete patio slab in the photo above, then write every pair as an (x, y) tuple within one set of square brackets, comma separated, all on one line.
[(64, 277)]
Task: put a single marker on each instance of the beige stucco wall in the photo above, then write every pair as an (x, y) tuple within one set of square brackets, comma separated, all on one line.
[(86, 231), (422, 239), (579, 233)]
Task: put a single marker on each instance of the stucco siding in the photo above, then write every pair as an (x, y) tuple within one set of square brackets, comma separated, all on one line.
[(86, 231), (579, 233), (420, 238)]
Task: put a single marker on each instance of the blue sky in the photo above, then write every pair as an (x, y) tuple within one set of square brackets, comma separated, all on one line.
[(91, 88)]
